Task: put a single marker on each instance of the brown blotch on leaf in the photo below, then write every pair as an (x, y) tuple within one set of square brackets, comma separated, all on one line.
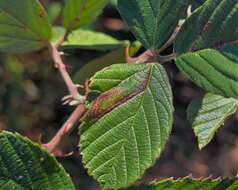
[(106, 102)]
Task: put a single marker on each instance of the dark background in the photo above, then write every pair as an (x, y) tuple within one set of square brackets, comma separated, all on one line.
[(31, 89)]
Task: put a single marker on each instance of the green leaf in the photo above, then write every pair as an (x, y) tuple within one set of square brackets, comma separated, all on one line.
[(208, 114), (190, 184), (24, 165), (6, 184), (24, 26), (212, 71), (88, 39), (197, 3), (78, 13), (203, 29), (57, 34), (207, 48), (127, 126), (152, 21)]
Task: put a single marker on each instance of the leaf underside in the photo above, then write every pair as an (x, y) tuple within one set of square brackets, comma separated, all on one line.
[(208, 114), (152, 21), (24, 165), (191, 184), (128, 124), (78, 13), (207, 48), (19, 26)]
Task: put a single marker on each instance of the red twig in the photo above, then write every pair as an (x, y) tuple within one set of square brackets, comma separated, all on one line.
[(72, 88), (149, 56), (154, 55), (73, 98), (66, 128)]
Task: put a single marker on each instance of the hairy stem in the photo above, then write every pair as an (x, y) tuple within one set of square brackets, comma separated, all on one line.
[(74, 96), (66, 128), (72, 88)]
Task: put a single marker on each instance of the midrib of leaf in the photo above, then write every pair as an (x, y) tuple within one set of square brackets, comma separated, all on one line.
[(123, 141), (26, 170), (7, 162), (124, 102), (209, 114), (23, 26), (29, 166), (130, 129), (108, 147), (232, 107), (221, 27), (137, 111), (221, 121), (152, 22), (214, 109)]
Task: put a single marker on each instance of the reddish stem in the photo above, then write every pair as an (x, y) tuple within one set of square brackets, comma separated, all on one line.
[(72, 88), (74, 95), (149, 56), (154, 55), (66, 128)]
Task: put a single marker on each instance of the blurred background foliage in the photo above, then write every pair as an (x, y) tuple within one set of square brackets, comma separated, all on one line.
[(30, 103)]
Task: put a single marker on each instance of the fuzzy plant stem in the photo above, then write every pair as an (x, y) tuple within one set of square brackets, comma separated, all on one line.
[(54, 143), (66, 128), (59, 64)]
